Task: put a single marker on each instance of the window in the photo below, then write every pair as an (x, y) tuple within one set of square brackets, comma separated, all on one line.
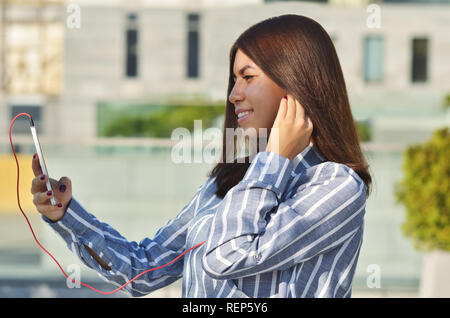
[(373, 59), (131, 39), (22, 123), (193, 46), (419, 60)]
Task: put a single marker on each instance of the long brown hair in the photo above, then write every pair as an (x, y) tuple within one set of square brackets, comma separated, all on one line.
[(299, 56)]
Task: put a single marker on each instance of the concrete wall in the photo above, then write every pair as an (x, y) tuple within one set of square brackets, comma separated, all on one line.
[(95, 54)]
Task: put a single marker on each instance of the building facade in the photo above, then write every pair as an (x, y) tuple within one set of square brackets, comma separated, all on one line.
[(393, 55)]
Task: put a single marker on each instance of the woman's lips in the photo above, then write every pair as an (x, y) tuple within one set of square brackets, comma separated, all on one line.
[(245, 117)]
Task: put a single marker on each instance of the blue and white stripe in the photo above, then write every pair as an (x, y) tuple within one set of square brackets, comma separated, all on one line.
[(289, 228)]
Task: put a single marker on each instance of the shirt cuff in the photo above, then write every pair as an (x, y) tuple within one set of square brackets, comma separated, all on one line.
[(271, 170), (76, 218)]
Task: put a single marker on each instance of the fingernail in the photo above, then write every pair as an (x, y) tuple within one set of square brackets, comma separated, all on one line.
[(285, 97), (62, 188), (43, 177), (49, 192), (34, 156), (59, 205)]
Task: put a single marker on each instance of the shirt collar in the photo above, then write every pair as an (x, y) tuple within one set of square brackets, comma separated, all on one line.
[(310, 156)]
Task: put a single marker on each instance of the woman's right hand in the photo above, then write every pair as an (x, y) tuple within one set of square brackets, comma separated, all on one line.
[(61, 191), (294, 129)]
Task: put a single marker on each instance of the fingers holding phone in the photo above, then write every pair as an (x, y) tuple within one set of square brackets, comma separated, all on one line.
[(61, 191)]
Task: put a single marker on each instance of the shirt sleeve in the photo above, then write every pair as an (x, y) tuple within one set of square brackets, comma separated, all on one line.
[(254, 231), (127, 259)]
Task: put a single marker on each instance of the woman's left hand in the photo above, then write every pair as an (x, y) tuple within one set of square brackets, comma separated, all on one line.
[(294, 129)]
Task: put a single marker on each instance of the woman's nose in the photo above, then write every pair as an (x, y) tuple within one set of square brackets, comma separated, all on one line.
[(235, 96)]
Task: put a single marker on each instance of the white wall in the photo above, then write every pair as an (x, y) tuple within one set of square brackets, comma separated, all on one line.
[(94, 54)]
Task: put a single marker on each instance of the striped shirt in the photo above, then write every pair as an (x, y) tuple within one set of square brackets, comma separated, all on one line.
[(289, 228)]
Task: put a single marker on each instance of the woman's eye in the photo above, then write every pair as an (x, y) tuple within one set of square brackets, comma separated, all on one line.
[(247, 77)]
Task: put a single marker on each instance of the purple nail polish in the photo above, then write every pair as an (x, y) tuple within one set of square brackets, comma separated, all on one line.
[(34, 156), (59, 205), (62, 188), (49, 192), (42, 177)]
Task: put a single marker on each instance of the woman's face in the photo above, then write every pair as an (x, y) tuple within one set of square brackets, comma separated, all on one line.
[(254, 91)]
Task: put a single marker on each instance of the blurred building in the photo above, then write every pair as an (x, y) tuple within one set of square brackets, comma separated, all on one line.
[(121, 50), (31, 57)]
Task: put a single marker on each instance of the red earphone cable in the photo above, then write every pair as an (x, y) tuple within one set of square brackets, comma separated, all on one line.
[(49, 254)]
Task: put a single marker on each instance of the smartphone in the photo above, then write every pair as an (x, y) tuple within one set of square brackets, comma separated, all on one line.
[(41, 159)]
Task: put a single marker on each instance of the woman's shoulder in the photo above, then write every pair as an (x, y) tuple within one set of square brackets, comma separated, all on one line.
[(331, 170), (209, 186)]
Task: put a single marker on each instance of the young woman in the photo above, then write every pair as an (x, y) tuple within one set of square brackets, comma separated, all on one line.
[(287, 223)]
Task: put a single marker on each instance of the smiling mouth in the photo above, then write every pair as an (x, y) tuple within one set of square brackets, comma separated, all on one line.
[(244, 116)]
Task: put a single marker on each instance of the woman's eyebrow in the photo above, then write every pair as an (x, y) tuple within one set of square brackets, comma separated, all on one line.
[(241, 71)]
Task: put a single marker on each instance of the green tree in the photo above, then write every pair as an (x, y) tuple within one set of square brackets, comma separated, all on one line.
[(425, 193)]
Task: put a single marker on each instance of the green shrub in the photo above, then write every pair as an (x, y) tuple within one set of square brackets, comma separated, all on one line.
[(446, 103), (160, 123), (425, 193), (364, 131)]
